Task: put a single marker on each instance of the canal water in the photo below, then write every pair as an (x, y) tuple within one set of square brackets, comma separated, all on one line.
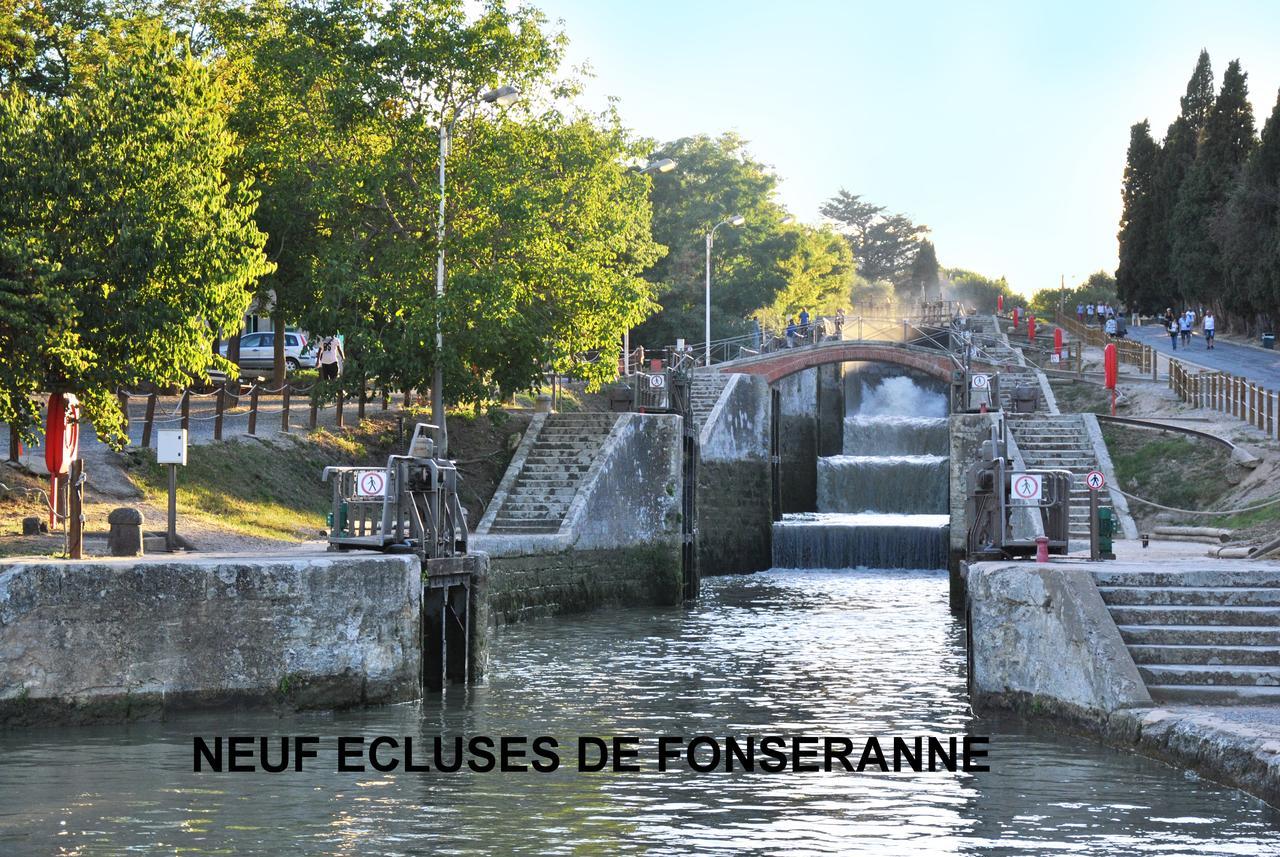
[(786, 652)]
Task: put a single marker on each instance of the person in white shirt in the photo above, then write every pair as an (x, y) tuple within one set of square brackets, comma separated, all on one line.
[(1208, 329), (331, 358)]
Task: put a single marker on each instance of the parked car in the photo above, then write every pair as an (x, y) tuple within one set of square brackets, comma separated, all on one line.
[(257, 351)]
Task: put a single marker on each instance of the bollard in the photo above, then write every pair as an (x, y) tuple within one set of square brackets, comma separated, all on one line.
[(1042, 548), (124, 537)]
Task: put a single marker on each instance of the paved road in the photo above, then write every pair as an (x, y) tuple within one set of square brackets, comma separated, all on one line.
[(1256, 364)]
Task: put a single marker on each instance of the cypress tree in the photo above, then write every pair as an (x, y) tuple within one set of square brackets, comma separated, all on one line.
[(1228, 137), (1137, 281), (1248, 232), (1173, 162)]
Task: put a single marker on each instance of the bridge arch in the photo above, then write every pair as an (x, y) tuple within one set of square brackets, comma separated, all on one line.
[(776, 365)]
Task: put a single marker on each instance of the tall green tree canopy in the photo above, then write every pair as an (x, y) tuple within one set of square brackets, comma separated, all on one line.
[(1228, 138), (884, 245), (1138, 281), (754, 265), (125, 246)]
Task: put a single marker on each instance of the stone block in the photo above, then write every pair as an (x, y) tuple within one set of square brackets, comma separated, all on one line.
[(124, 538)]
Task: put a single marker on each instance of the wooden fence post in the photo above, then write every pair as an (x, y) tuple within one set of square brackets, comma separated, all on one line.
[(253, 411), (186, 409), (149, 421), (15, 445), (284, 407), (361, 400), (315, 407), (219, 404), (337, 417)]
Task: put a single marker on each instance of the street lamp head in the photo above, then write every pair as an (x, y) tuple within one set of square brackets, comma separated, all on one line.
[(788, 219), (664, 165), (503, 96), (736, 220)]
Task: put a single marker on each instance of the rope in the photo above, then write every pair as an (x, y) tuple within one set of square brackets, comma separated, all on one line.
[(1270, 502)]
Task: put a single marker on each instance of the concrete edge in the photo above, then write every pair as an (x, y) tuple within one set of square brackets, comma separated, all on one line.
[(513, 473), (519, 544), (1118, 500), (623, 424), (704, 433)]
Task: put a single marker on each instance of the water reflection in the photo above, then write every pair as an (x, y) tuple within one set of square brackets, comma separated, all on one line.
[(784, 652)]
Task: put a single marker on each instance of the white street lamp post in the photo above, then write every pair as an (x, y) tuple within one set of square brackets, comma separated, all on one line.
[(503, 96), (736, 220)]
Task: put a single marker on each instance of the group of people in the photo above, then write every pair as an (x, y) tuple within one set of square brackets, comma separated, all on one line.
[(1109, 318), (801, 329), (1180, 327)]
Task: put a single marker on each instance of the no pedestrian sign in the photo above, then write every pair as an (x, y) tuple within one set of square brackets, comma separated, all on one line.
[(371, 483), (1027, 487), (1095, 480)]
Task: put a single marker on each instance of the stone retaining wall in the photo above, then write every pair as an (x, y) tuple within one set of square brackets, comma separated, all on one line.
[(734, 482), (113, 640)]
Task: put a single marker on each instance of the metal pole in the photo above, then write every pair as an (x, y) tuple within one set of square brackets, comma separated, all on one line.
[(707, 321), (437, 372), (171, 535), (1094, 552)]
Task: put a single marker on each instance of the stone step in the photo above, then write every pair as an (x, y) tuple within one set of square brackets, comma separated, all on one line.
[(1211, 674), (1200, 635), (555, 468), (1215, 695), (1216, 577), (1230, 655), (529, 511), (1232, 596), (500, 526), (1189, 615)]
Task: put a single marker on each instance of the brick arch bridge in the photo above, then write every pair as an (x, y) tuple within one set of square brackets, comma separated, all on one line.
[(777, 365)]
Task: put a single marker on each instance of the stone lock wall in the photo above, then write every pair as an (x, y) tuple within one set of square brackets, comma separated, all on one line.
[(799, 441), (115, 639), (735, 523)]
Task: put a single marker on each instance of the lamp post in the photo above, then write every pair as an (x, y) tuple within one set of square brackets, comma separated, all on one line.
[(503, 96), (735, 221), (662, 165)]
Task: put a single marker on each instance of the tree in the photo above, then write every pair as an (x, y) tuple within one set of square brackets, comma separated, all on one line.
[(716, 179), (977, 290), (120, 226), (1098, 287), (923, 279), (1228, 138), (1248, 228), (818, 271), (1197, 104), (884, 245), (1137, 277)]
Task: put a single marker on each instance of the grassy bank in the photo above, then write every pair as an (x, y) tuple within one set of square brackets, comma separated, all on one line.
[(1170, 469)]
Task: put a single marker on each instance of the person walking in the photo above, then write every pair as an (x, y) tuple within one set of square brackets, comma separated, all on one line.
[(1174, 330), (804, 323), (1208, 325), (1110, 326), (1102, 313), (1184, 328), (1089, 312), (791, 332), (331, 358), (1080, 313), (840, 323)]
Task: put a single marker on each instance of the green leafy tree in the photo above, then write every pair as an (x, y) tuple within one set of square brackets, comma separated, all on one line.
[(716, 179), (1228, 139), (923, 279), (1248, 229), (884, 245), (120, 225), (818, 271), (977, 290), (1137, 277), (1098, 287)]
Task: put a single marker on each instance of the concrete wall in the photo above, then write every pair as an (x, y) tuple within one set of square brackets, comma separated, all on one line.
[(116, 639), (1041, 640), (830, 420), (799, 441), (968, 431), (734, 483), (620, 542)]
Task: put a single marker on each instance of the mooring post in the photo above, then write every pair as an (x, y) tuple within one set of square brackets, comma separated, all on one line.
[(253, 410), (75, 535), (149, 420), (284, 408), (219, 405)]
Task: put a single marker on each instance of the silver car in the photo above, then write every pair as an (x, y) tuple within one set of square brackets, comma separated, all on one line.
[(257, 351)]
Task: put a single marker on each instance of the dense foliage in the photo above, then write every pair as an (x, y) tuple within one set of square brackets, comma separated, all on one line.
[(1200, 223)]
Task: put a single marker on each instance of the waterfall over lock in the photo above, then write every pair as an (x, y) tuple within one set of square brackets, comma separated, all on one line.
[(883, 502)]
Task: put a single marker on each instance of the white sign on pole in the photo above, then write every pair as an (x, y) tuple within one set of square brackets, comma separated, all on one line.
[(1095, 480), (657, 382), (981, 382), (371, 483), (1027, 487), (1055, 357)]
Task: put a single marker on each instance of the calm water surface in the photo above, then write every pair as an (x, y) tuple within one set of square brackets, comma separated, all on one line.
[(785, 652)]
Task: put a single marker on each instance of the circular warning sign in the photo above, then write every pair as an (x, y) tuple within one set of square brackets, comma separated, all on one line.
[(981, 382), (371, 483), (1095, 480), (1026, 486), (657, 382)]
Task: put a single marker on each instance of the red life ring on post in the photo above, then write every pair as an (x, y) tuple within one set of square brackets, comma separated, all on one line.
[(61, 433)]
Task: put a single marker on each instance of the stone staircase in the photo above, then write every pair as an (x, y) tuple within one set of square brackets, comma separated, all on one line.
[(704, 391), (1200, 636), (1059, 442), (552, 472)]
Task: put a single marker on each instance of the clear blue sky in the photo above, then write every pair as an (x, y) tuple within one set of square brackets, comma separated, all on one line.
[(1003, 126)]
